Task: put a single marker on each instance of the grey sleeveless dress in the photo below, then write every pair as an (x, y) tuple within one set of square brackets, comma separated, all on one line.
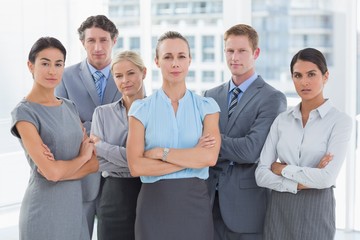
[(52, 210)]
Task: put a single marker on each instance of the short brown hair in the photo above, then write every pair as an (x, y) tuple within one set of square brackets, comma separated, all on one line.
[(244, 30), (98, 21)]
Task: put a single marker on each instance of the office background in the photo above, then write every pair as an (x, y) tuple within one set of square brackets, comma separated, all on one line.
[(284, 26)]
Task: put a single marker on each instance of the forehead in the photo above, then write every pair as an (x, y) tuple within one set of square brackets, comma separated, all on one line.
[(52, 54), (237, 41), (304, 66), (95, 32), (124, 65), (173, 46)]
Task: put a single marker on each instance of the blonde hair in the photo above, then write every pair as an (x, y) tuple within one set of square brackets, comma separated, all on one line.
[(131, 56)]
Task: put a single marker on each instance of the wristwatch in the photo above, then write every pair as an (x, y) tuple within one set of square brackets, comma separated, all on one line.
[(165, 153)]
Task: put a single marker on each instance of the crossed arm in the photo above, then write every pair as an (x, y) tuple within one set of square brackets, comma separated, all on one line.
[(58, 170), (149, 163)]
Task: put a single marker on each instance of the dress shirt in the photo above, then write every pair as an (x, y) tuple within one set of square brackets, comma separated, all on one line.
[(245, 85), (164, 128), (110, 124), (105, 71), (327, 131)]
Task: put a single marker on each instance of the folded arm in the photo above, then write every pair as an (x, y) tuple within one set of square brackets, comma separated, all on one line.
[(52, 170)]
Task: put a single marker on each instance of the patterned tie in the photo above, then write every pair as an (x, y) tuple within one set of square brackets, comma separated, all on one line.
[(234, 100), (97, 79)]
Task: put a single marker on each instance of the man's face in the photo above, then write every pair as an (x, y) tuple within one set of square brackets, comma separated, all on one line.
[(240, 57), (98, 45)]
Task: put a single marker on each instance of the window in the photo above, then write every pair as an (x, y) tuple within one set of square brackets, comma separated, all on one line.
[(134, 43), (208, 76)]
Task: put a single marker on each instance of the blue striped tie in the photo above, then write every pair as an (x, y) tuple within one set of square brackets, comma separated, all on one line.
[(234, 100), (97, 79)]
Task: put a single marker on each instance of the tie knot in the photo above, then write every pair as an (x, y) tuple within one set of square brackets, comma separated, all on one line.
[(97, 75), (236, 91)]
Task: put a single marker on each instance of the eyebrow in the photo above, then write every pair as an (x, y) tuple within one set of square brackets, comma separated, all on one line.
[(46, 59)]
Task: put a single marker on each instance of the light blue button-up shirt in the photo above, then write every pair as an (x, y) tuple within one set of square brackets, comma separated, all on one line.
[(106, 72), (301, 148), (245, 85), (165, 129)]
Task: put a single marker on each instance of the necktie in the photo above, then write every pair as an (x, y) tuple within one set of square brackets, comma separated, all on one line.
[(234, 100), (97, 79)]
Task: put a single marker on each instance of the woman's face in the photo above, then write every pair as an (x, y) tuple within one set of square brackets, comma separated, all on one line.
[(128, 78), (48, 68), (173, 59), (308, 80)]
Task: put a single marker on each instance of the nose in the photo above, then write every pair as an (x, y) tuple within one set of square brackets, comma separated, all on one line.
[(175, 63), (305, 82), (97, 46), (52, 70), (235, 55), (124, 79)]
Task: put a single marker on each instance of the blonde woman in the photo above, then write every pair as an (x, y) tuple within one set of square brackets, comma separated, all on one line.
[(109, 130)]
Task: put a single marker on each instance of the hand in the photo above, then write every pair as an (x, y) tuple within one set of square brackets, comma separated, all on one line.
[(325, 160), (206, 141), (84, 133), (277, 167), (87, 148), (95, 139), (154, 153), (48, 153)]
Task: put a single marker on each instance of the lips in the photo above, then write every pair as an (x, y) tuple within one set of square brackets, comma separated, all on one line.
[(175, 73)]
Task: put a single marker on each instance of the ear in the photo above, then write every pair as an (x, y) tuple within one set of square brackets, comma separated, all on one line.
[(256, 53), (157, 62), (30, 66), (144, 73), (326, 77)]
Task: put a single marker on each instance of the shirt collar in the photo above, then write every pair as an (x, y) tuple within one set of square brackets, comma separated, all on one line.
[(105, 70), (322, 110), (245, 85)]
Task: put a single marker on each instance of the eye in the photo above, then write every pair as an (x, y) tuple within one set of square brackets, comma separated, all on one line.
[(118, 76), (311, 74), (58, 64), (296, 75)]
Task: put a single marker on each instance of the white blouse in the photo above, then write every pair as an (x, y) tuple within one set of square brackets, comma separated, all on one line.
[(301, 148)]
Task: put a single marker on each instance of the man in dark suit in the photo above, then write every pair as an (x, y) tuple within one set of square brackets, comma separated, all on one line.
[(248, 107), (90, 84)]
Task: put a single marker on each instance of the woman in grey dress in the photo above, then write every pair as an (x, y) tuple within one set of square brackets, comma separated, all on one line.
[(52, 207), (309, 141)]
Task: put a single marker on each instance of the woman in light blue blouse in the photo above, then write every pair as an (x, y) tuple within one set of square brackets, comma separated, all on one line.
[(302, 157), (173, 138)]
